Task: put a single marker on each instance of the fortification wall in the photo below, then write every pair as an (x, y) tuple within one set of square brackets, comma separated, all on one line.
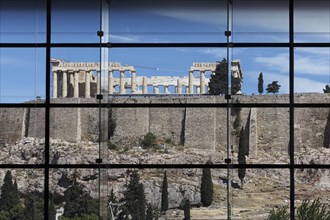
[(11, 124), (203, 128)]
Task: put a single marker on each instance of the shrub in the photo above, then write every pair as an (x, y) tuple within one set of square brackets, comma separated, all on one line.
[(112, 146), (306, 211), (279, 214), (149, 140), (312, 211)]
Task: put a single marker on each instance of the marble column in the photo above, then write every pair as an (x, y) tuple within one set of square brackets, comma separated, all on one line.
[(76, 85), (98, 82), (65, 84), (198, 89), (145, 85), (71, 81), (110, 82), (133, 79), (191, 82), (87, 85), (179, 87), (156, 90), (166, 90), (202, 82), (54, 84), (122, 82)]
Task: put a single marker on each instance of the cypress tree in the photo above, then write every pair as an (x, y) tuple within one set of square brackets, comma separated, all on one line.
[(218, 80), (149, 215), (241, 157), (164, 203), (133, 202), (9, 193), (186, 209), (260, 83), (207, 186)]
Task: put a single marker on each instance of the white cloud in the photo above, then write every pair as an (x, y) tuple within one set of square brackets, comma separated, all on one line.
[(307, 62), (126, 39)]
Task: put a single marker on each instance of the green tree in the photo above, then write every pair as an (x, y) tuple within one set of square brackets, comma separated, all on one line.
[(78, 202), (133, 201), (152, 212), (236, 85), (241, 157), (149, 140), (260, 83), (273, 87), (164, 203), (186, 209), (218, 80), (9, 193), (327, 89), (207, 186)]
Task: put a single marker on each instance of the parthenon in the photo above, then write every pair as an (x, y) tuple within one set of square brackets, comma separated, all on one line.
[(83, 79)]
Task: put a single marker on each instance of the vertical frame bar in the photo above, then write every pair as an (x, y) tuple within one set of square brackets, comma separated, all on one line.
[(291, 87), (47, 110)]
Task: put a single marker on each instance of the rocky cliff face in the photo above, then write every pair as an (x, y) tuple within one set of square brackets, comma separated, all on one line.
[(260, 184)]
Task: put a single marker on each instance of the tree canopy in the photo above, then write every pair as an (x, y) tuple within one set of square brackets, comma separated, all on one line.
[(218, 80), (327, 89), (207, 186), (273, 87)]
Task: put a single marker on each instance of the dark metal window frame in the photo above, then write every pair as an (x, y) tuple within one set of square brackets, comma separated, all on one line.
[(48, 45)]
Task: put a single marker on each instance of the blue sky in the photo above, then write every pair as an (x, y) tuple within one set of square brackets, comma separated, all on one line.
[(22, 70)]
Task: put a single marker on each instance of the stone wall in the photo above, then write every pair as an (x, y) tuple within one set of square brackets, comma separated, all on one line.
[(203, 128)]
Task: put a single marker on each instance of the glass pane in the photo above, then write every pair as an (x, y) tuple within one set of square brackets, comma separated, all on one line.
[(260, 21), (22, 193), (22, 75), (182, 184), (312, 135), (262, 191), (312, 21), (22, 21), (312, 186), (263, 71), (70, 70), (75, 192), (23, 137), (74, 22), (260, 135), (162, 70), (166, 135), (74, 134), (163, 22), (312, 75)]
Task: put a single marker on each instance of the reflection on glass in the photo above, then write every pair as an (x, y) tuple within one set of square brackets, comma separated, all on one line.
[(312, 21), (260, 21), (75, 23), (23, 21), (164, 22)]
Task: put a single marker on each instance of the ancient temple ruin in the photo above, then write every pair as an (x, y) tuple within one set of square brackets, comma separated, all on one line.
[(83, 79)]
